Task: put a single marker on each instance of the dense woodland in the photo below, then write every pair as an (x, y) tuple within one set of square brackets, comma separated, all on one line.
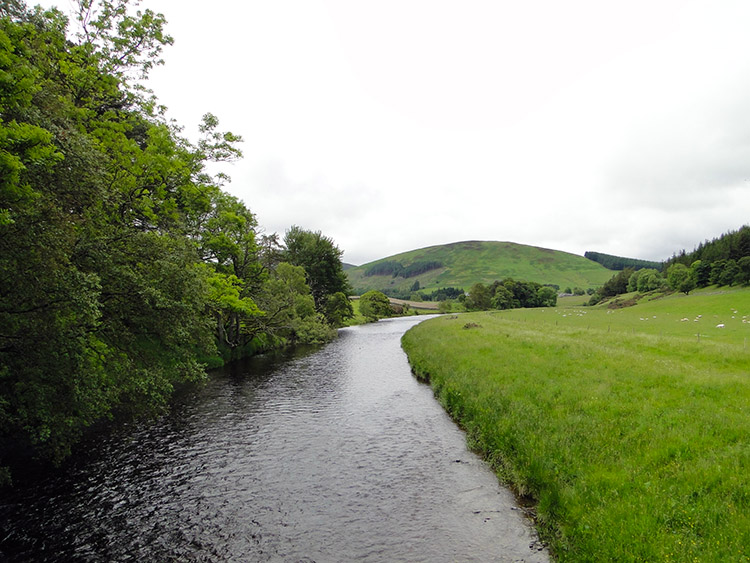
[(394, 269), (509, 294), (620, 263), (724, 261), (125, 269)]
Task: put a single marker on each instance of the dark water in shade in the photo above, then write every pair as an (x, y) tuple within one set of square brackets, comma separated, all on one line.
[(333, 455)]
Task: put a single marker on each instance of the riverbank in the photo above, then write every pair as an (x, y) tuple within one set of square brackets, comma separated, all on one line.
[(628, 430), (332, 453)]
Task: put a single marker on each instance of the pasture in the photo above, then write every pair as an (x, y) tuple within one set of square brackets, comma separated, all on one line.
[(627, 429)]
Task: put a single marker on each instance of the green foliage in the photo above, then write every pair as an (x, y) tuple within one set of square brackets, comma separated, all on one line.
[(479, 298), (392, 268), (503, 298), (338, 309), (445, 306), (620, 263), (743, 265), (385, 268), (616, 285), (321, 259), (121, 259), (649, 280), (711, 258), (547, 297), (681, 278), (702, 272), (374, 305)]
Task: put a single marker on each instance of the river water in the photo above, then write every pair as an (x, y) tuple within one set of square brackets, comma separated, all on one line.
[(334, 454)]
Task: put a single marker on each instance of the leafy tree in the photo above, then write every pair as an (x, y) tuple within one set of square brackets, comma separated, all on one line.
[(547, 297), (717, 271), (374, 305), (702, 273), (616, 285), (633, 281), (104, 302), (289, 309), (681, 278), (338, 309), (731, 273), (479, 298), (744, 266), (321, 259), (650, 280), (503, 298)]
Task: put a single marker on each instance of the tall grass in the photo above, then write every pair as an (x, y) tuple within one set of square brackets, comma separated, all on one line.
[(632, 436)]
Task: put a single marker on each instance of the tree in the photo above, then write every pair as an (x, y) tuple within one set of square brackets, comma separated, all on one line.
[(744, 266), (503, 298), (650, 279), (338, 309), (374, 305), (479, 298), (547, 297), (702, 272), (633, 280), (321, 259), (105, 304), (681, 278), (730, 274), (717, 270), (616, 285)]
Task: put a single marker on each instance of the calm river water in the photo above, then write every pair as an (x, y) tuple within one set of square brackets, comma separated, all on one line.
[(336, 454)]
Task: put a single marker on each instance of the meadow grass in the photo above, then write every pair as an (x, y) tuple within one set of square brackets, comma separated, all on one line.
[(630, 433)]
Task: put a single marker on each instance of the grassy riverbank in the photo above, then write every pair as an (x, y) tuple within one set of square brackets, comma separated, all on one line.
[(630, 432)]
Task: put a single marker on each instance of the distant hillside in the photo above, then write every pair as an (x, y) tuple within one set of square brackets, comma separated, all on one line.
[(462, 264), (348, 266)]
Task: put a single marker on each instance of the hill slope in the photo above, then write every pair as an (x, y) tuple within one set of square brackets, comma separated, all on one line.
[(465, 263)]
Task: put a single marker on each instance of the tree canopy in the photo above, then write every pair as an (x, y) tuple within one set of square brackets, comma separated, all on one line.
[(125, 269)]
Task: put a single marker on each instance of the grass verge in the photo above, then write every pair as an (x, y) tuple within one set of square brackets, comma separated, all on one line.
[(631, 435)]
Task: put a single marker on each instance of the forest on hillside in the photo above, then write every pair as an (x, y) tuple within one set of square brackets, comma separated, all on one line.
[(723, 261), (620, 263), (125, 268)]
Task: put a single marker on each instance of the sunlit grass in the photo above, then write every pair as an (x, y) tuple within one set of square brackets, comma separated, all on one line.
[(630, 431)]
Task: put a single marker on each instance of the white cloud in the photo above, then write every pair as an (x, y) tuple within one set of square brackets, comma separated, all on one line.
[(578, 125)]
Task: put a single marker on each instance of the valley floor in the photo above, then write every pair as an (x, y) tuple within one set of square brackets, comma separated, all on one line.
[(628, 428)]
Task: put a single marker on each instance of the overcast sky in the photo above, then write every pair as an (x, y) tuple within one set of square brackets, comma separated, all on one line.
[(620, 127)]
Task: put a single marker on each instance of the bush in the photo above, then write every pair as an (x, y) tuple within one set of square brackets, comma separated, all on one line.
[(375, 305)]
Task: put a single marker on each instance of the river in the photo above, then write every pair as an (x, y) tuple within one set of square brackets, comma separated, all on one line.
[(326, 455)]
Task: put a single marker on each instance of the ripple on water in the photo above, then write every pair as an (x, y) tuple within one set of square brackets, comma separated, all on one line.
[(334, 455)]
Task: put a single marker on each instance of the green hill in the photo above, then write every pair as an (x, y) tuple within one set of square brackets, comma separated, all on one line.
[(462, 264)]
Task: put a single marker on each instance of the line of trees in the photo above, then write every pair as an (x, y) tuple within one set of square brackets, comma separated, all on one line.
[(723, 261), (125, 269), (509, 294), (396, 269), (620, 263), (678, 277)]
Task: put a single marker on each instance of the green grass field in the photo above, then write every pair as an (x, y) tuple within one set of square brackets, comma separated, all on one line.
[(466, 263), (630, 432)]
